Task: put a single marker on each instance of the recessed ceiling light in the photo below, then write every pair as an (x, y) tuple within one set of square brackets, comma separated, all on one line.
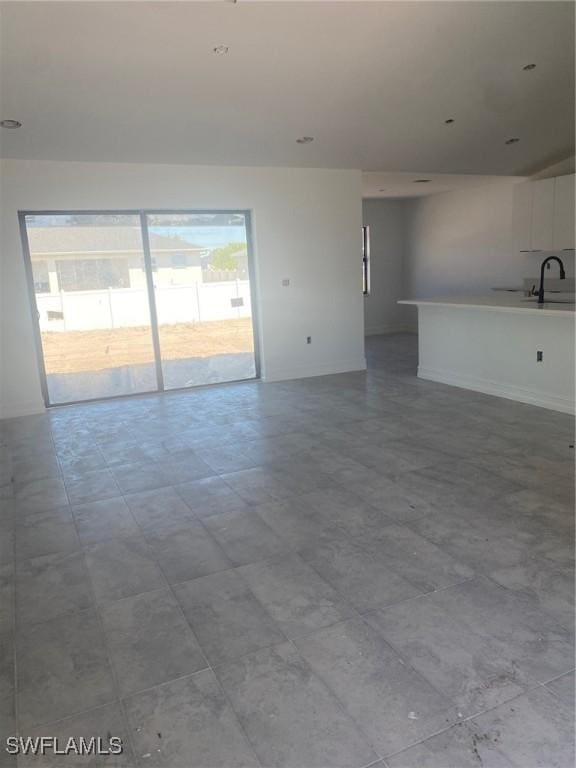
[(10, 124), (512, 141), (528, 67), (450, 120), (221, 50), (420, 181), (305, 140)]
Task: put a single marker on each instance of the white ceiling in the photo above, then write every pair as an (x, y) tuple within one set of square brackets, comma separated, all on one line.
[(372, 82), (384, 184)]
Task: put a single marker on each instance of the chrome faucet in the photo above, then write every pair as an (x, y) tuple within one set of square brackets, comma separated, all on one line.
[(542, 268)]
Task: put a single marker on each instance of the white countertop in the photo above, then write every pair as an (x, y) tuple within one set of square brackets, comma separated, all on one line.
[(503, 302)]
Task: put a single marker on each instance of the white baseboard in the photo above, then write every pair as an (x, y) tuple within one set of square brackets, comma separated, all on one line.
[(509, 391), (305, 372), (21, 408), (387, 328)]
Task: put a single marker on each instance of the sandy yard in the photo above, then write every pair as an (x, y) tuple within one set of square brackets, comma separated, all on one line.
[(76, 351)]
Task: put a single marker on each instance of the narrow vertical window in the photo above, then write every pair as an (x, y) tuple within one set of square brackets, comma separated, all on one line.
[(366, 261)]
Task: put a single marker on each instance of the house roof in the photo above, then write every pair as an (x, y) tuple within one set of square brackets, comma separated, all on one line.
[(81, 240)]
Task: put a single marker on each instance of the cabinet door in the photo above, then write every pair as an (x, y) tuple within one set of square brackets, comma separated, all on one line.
[(543, 215), (523, 217), (564, 213)]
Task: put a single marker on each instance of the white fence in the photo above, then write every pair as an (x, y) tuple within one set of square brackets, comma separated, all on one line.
[(223, 275), (128, 307)]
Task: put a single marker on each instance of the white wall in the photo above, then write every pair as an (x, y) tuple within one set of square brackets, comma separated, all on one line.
[(461, 242), (306, 228), (387, 222)]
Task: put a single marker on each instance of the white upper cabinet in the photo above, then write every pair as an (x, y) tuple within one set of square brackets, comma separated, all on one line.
[(544, 215), (564, 213), (523, 217)]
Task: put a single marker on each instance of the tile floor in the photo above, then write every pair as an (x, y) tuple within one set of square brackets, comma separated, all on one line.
[(353, 570)]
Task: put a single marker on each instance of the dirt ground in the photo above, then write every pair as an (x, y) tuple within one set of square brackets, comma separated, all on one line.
[(76, 351)]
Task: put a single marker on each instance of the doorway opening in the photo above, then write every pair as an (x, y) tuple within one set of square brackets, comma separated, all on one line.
[(130, 302)]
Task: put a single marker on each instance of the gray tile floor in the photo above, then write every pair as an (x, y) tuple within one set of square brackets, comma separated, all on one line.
[(353, 570)]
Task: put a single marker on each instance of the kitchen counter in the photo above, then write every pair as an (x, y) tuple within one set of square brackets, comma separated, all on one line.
[(506, 345), (502, 302)]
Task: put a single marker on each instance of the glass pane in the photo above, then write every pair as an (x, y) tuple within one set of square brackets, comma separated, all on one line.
[(202, 290), (93, 307)]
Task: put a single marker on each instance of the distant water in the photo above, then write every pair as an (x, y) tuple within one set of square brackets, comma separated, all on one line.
[(208, 237)]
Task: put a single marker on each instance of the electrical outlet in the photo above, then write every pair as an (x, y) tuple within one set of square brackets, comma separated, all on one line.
[(539, 356), (286, 282), (308, 339)]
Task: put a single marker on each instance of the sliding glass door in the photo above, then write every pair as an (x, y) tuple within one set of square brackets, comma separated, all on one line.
[(88, 276), (139, 302), (202, 293)]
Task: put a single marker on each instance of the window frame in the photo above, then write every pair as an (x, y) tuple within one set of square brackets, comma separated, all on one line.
[(366, 260), (150, 269)]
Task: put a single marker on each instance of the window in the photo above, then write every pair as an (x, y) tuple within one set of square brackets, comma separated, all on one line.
[(111, 321), (179, 260), (78, 274), (41, 279), (366, 261)]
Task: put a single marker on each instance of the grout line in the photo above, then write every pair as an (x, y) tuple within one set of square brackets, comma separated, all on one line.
[(15, 630), (532, 686), (558, 677), (379, 762), (423, 741), (17, 627), (112, 670), (79, 713), (526, 591), (209, 667), (253, 652), (200, 648), (237, 718), (340, 704), (420, 596), (553, 693), (125, 697), (357, 616), (406, 661)]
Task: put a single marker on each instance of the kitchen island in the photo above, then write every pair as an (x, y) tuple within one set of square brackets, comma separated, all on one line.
[(506, 345)]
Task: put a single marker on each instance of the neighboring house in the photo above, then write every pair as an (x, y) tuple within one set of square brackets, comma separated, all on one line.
[(83, 258)]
